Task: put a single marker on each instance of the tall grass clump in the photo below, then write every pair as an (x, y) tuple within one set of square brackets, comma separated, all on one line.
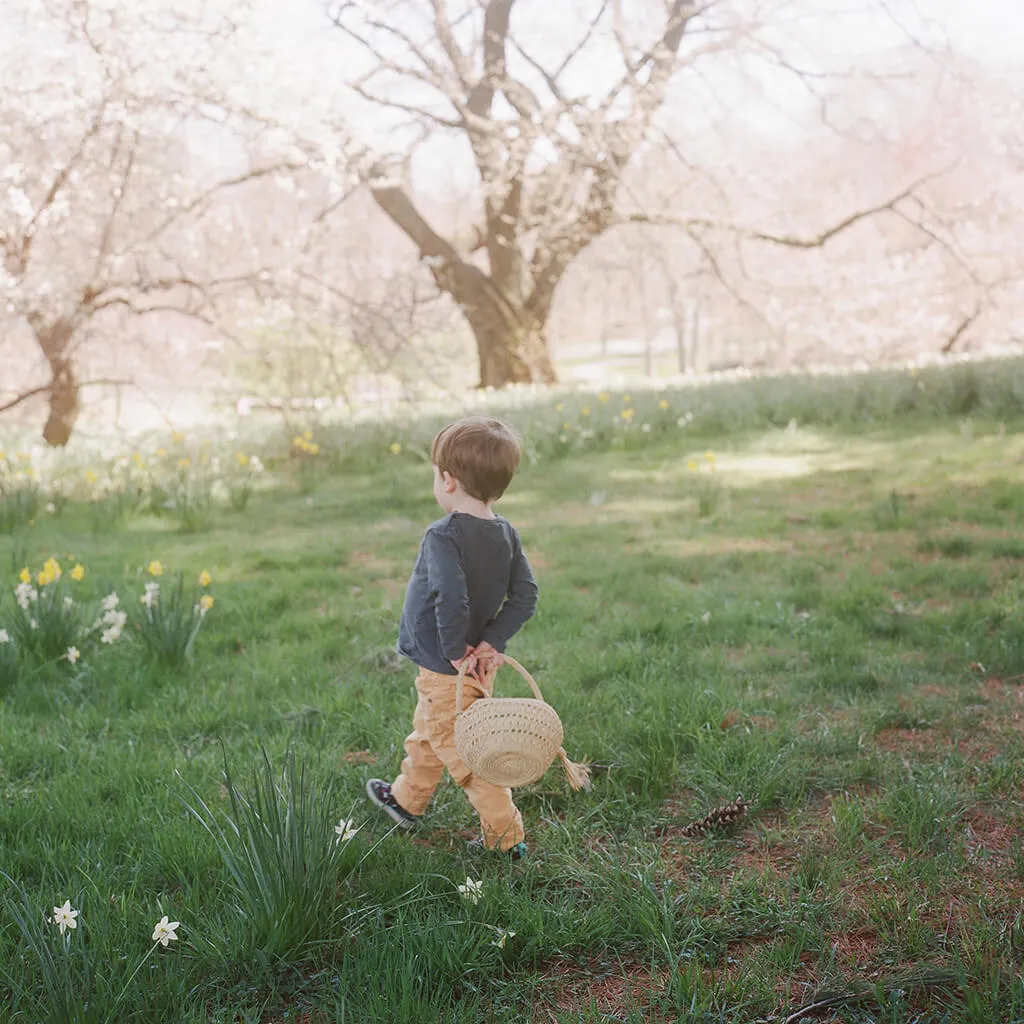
[(285, 853)]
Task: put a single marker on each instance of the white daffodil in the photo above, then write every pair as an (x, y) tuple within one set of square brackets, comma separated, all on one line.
[(471, 890), (26, 594), (73, 654), (68, 601), (64, 917), (116, 619), (110, 602), (503, 937), (5, 637), (152, 595), (164, 931), (111, 635), (346, 830)]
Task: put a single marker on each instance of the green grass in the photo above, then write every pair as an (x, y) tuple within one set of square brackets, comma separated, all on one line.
[(837, 632)]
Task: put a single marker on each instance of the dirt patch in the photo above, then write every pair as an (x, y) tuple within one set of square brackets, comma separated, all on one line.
[(602, 986), (369, 562), (988, 838), (934, 690), (913, 741), (359, 757), (777, 858), (861, 949)]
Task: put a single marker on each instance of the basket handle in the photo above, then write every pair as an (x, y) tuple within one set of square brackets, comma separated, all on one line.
[(508, 661)]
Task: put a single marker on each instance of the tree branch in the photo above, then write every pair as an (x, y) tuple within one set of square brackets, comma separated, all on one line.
[(446, 37), (496, 22), (817, 241), (207, 194), (44, 389)]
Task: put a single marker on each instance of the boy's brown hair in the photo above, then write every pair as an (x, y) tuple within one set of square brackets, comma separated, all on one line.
[(482, 454)]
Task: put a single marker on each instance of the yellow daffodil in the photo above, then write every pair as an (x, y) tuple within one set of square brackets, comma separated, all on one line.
[(710, 456), (183, 463), (308, 435), (396, 448), (205, 602), (139, 461), (161, 452), (604, 398), (692, 466), (627, 398), (205, 579), (585, 411), (242, 459), (78, 573), (663, 404), (155, 568), (25, 576), (314, 449), (628, 414), (91, 477), (178, 438)]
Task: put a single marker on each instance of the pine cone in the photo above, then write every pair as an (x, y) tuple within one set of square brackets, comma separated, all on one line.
[(720, 817)]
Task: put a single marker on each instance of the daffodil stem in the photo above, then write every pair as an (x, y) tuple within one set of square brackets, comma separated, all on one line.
[(127, 984)]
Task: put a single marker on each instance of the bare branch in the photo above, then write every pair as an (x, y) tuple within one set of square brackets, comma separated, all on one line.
[(817, 241), (443, 29), (120, 192), (961, 329), (408, 108), (221, 186), (44, 389), (59, 182), (496, 22)]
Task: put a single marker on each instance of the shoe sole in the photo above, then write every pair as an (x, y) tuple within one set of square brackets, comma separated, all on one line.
[(396, 816)]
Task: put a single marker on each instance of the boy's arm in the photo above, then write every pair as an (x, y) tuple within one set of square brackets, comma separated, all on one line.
[(451, 603), (520, 603)]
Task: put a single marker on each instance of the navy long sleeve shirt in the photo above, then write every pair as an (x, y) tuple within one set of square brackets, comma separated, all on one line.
[(471, 583)]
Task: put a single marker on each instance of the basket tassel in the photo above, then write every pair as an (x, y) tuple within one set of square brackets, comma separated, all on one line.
[(578, 774)]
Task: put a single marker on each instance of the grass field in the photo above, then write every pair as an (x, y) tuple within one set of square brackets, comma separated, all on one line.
[(829, 623)]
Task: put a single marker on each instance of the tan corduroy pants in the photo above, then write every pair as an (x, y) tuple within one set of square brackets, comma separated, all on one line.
[(430, 748)]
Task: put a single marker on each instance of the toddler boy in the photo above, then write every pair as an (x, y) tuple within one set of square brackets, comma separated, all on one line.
[(471, 590)]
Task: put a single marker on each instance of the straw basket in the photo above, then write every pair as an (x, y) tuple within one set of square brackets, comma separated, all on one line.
[(511, 741)]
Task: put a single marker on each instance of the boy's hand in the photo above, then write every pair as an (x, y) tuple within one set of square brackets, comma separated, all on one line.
[(469, 659), (488, 659)]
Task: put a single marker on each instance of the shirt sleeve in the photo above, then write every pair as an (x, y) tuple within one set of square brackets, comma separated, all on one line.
[(520, 602), (447, 584)]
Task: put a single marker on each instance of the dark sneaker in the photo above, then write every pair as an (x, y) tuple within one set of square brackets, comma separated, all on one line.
[(379, 793), (517, 852)]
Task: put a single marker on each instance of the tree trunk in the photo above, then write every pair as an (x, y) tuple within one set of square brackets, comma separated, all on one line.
[(55, 341), (510, 342), (511, 356)]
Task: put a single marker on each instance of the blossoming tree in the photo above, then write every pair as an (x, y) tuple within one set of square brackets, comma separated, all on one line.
[(557, 109), (128, 135)]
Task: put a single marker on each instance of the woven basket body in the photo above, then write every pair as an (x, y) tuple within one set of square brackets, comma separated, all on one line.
[(508, 741)]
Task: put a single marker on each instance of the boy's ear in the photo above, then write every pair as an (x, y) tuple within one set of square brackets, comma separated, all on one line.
[(451, 485)]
